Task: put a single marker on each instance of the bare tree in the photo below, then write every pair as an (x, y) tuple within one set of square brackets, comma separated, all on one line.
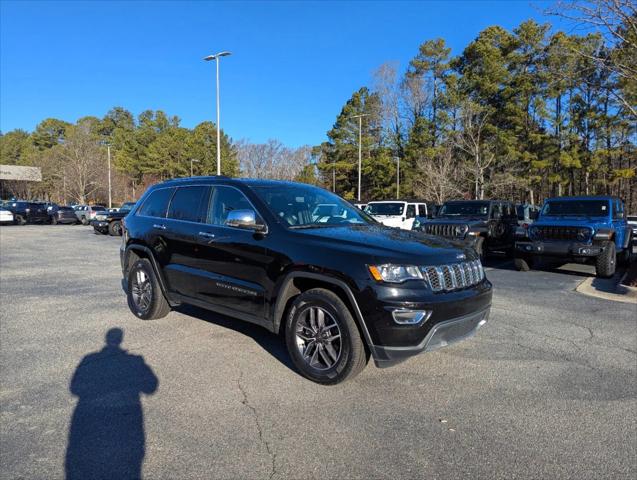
[(471, 141), (389, 88), (438, 177), (272, 160), (83, 158), (616, 20)]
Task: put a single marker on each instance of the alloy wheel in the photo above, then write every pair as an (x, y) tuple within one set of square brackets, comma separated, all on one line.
[(142, 290), (318, 338)]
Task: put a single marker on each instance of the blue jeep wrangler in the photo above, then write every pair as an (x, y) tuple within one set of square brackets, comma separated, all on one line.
[(577, 229)]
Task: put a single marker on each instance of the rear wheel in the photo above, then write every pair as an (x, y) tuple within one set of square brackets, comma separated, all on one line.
[(115, 228), (20, 220), (54, 220), (145, 298), (323, 339), (605, 262)]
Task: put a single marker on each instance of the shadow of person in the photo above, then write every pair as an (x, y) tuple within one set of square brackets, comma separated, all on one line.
[(106, 436)]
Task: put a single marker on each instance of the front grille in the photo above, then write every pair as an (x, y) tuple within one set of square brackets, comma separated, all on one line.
[(440, 229), (556, 233), (455, 276)]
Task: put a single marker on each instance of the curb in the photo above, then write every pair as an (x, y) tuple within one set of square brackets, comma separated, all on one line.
[(614, 290)]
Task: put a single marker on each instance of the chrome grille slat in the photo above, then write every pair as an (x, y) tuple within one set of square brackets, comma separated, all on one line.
[(454, 276)]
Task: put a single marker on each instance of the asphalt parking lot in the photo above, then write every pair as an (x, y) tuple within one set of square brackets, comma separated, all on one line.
[(546, 390)]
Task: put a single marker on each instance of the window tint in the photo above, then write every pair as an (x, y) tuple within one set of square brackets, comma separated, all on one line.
[(189, 203), (224, 200), (422, 210), (157, 203), (411, 210), (496, 210)]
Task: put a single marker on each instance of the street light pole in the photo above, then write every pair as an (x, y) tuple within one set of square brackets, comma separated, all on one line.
[(398, 178), (110, 199), (216, 57), (191, 162), (360, 149)]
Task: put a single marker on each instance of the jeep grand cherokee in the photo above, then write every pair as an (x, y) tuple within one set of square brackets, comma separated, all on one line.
[(338, 288)]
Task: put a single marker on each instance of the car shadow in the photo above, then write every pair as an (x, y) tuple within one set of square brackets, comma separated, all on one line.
[(106, 435), (270, 342)]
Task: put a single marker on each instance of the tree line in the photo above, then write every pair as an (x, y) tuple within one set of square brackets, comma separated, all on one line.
[(522, 114)]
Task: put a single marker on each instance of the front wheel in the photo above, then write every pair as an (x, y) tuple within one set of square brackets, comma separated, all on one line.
[(54, 220), (481, 249), (323, 339), (145, 298), (605, 263), (20, 220), (115, 229), (523, 264)]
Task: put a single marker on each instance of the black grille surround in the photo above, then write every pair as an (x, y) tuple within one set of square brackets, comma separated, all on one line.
[(442, 229), (560, 233)]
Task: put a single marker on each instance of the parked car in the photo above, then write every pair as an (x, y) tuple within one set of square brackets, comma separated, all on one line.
[(28, 212), (397, 213), (6, 216), (64, 215), (632, 222), (111, 222), (578, 229), (86, 213), (485, 225), (337, 291)]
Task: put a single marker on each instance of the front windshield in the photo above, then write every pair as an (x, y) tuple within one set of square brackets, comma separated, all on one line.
[(576, 208), (385, 208), (468, 209), (305, 206)]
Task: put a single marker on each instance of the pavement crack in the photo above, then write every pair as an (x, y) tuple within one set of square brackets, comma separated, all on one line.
[(245, 401)]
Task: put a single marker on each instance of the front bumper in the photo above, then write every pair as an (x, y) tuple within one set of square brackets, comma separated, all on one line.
[(559, 249), (99, 225), (441, 334)]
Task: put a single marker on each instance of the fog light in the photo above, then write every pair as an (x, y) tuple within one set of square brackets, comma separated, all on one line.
[(404, 316), (528, 248)]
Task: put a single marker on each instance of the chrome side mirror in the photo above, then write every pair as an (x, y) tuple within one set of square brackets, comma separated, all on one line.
[(245, 219)]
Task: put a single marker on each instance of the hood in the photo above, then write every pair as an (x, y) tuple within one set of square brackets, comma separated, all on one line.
[(381, 243), (591, 222), (457, 221)]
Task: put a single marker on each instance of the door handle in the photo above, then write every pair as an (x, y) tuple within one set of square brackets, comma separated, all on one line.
[(207, 235), (159, 226)]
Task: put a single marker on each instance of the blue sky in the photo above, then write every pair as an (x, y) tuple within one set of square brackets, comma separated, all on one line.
[(294, 64)]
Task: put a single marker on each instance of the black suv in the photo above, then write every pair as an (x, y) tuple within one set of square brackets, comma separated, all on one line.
[(485, 225), (337, 287), (28, 212)]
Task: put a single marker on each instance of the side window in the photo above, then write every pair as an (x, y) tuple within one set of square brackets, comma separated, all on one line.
[(422, 210), (411, 210), (189, 203), (224, 200), (496, 210), (157, 203)]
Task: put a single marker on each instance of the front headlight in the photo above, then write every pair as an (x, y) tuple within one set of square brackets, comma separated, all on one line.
[(584, 234), (395, 273), (461, 230), (100, 217)]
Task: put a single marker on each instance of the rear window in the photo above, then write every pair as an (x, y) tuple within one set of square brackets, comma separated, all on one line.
[(97, 208), (157, 203), (189, 204)]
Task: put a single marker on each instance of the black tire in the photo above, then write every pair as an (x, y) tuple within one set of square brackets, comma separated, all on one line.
[(54, 220), (480, 249), (20, 220), (523, 264), (605, 263), (156, 306), (351, 355), (623, 257), (115, 229)]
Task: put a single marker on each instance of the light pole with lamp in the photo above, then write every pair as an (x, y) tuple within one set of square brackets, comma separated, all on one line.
[(360, 148), (110, 196), (216, 57), (397, 177), (192, 160)]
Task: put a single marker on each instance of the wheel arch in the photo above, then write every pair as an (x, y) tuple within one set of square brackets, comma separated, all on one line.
[(136, 252), (296, 283)]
